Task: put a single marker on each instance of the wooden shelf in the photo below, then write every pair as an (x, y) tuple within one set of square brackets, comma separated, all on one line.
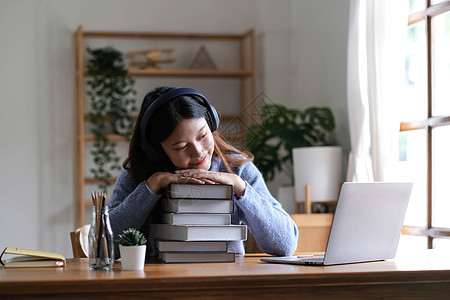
[(244, 73)]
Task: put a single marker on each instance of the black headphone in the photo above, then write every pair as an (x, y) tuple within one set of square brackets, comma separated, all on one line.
[(211, 116)]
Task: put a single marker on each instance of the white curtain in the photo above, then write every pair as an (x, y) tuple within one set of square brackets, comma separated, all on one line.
[(375, 68)]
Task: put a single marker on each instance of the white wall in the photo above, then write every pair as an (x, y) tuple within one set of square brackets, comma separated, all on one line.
[(313, 35), (319, 58), (37, 86)]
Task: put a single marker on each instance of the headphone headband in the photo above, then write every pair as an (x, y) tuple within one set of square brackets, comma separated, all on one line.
[(212, 116)]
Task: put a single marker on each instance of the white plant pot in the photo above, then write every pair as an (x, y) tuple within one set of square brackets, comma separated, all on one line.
[(286, 198), (133, 257), (321, 169)]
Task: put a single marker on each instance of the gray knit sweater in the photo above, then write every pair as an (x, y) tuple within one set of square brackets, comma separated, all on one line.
[(132, 205)]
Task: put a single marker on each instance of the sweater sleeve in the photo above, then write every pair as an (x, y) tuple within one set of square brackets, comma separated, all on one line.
[(274, 230), (130, 204)]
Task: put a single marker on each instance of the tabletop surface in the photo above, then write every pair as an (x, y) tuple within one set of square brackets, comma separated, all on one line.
[(248, 266)]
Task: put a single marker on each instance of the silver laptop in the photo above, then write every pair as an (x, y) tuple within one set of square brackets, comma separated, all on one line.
[(367, 225)]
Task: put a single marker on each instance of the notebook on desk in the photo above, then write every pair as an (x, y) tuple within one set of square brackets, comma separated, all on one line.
[(367, 225)]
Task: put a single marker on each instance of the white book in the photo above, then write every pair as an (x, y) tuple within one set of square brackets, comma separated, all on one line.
[(198, 246), (196, 219), (198, 206), (198, 191), (197, 257), (198, 232)]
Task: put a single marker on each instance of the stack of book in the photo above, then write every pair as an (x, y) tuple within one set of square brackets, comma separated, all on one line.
[(196, 224)]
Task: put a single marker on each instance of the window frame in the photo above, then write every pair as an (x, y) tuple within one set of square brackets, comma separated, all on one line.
[(428, 124)]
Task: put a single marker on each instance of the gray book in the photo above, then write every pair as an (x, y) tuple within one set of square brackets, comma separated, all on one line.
[(196, 257), (196, 219), (211, 206), (198, 191), (198, 232), (197, 246)]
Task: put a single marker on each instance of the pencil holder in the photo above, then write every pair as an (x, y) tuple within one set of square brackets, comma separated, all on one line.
[(101, 243)]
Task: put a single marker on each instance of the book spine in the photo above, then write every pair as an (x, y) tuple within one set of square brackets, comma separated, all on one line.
[(199, 246), (205, 257), (196, 219)]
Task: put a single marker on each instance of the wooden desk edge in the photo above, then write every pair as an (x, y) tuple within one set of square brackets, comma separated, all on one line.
[(260, 285)]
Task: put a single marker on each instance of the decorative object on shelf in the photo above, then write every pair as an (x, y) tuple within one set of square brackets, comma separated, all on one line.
[(149, 59), (132, 246), (203, 60), (112, 103), (279, 131)]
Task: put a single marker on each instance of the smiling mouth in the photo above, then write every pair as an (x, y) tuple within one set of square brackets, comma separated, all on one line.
[(200, 162)]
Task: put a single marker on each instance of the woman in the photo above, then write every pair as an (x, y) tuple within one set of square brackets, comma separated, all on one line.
[(175, 141)]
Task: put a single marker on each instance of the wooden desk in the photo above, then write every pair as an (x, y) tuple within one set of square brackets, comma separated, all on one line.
[(424, 276)]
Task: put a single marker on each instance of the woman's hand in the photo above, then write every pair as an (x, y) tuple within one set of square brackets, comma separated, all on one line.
[(211, 177), (160, 180)]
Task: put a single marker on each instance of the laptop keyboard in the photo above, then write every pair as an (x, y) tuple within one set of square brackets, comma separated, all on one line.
[(312, 259)]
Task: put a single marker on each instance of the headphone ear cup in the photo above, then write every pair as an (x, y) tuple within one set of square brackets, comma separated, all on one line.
[(212, 117), (153, 154)]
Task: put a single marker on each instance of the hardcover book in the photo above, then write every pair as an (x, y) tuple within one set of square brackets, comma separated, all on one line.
[(198, 191), (13, 257), (196, 257), (196, 219), (199, 232), (202, 246), (197, 206)]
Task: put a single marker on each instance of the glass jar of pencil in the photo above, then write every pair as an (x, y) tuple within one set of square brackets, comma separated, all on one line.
[(101, 243)]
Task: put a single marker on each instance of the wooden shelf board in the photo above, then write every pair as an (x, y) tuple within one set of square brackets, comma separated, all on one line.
[(109, 137), (95, 180), (228, 117), (186, 72), (147, 35), (87, 117)]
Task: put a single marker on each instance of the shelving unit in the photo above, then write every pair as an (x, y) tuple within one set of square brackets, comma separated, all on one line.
[(245, 73)]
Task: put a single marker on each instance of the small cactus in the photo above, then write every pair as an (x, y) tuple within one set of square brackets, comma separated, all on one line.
[(132, 237)]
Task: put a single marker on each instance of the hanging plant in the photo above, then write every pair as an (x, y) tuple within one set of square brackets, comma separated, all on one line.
[(112, 102)]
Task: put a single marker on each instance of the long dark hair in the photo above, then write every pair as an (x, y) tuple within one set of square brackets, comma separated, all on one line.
[(143, 163)]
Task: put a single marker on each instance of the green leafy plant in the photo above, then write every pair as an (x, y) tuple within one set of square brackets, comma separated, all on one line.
[(281, 129), (112, 102), (132, 237)]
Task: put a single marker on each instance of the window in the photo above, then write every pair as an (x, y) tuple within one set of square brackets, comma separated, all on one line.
[(424, 144)]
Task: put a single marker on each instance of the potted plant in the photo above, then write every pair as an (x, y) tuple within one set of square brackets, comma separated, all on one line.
[(281, 130), (132, 247)]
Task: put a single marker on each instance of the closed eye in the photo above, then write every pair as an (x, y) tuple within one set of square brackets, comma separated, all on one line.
[(182, 148)]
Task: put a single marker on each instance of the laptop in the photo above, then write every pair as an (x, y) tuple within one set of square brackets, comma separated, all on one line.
[(367, 225)]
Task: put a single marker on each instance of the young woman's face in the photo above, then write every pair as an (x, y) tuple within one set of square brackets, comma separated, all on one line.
[(190, 145)]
